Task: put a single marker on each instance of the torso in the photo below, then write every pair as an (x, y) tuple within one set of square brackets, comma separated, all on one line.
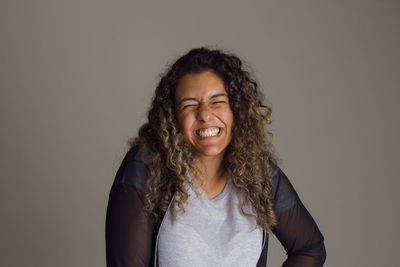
[(211, 232)]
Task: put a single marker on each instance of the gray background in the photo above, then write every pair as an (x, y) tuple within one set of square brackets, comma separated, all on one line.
[(77, 77)]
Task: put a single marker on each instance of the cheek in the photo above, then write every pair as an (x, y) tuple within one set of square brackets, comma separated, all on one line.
[(185, 123), (229, 119)]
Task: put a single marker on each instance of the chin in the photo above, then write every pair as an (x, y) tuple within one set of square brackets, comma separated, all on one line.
[(210, 152)]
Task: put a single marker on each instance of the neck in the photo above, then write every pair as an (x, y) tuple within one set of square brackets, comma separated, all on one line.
[(211, 169), (212, 176)]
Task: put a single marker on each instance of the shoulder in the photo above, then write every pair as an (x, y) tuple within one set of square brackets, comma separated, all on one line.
[(283, 193), (134, 168)]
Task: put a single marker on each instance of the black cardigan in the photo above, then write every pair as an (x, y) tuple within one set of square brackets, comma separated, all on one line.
[(131, 235)]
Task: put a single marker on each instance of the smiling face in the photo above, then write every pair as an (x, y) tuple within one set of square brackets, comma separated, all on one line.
[(204, 114)]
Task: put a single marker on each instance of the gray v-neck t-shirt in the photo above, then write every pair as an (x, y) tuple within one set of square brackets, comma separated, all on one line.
[(210, 232)]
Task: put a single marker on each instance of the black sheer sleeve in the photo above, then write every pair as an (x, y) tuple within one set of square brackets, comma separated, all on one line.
[(129, 231), (296, 229)]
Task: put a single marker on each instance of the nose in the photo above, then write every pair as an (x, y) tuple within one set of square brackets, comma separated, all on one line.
[(204, 113)]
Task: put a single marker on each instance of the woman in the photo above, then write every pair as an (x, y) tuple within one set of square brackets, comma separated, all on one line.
[(200, 186)]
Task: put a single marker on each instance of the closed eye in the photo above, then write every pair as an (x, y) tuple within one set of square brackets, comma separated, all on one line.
[(216, 102), (191, 105)]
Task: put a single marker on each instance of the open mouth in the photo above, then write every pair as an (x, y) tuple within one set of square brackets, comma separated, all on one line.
[(208, 132)]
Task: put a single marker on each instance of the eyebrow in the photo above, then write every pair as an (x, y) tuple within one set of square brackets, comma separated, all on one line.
[(195, 99), (217, 95)]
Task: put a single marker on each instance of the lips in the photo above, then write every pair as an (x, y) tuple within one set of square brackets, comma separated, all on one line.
[(208, 132)]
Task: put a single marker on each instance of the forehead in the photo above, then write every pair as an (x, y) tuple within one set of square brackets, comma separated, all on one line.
[(199, 85)]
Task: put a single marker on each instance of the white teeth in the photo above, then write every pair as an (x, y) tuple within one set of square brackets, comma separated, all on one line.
[(208, 132)]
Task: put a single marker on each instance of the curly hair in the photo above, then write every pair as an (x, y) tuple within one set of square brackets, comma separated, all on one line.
[(249, 157)]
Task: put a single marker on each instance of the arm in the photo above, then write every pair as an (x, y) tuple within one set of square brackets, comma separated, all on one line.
[(128, 229), (296, 229)]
